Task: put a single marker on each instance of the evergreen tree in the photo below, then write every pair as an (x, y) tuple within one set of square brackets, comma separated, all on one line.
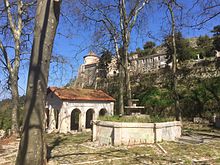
[(184, 51), (149, 45), (205, 46), (216, 41), (149, 48), (104, 62)]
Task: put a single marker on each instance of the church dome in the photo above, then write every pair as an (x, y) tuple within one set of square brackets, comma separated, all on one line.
[(91, 58)]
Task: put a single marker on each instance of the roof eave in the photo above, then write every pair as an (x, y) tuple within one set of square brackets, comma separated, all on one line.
[(107, 100)]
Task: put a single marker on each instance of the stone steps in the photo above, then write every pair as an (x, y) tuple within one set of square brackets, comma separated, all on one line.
[(212, 134), (6, 163), (190, 140), (8, 153), (203, 161)]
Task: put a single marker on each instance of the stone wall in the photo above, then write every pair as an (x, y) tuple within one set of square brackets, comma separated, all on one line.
[(122, 133), (187, 72), (87, 75)]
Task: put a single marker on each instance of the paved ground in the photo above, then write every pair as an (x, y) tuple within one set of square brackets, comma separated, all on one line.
[(198, 147), (184, 152)]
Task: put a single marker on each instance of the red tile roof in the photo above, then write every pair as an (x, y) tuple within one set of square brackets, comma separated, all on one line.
[(80, 94), (91, 53)]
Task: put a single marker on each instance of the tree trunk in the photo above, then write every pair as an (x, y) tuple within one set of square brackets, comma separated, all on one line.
[(127, 76), (14, 87), (174, 63), (121, 90), (124, 25), (15, 102), (15, 27), (32, 148)]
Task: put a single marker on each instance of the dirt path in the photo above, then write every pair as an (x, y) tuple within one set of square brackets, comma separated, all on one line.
[(8, 151), (78, 149)]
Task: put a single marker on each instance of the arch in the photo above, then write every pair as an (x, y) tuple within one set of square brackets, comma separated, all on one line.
[(75, 119), (47, 116), (102, 112), (56, 118), (90, 114)]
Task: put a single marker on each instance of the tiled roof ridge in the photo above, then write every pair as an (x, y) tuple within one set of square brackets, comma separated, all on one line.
[(91, 94)]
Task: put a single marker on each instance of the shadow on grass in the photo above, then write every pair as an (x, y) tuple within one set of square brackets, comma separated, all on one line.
[(126, 156), (52, 145), (104, 154), (54, 140)]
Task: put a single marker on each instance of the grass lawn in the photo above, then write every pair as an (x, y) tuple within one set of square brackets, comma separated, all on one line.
[(78, 149)]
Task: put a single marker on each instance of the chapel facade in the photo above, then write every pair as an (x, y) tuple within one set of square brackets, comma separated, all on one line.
[(73, 109)]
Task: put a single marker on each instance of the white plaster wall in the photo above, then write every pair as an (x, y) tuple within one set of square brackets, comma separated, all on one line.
[(66, 107), (119, 133), (217, 53), (53, 103), (91, 60), (83, 106)]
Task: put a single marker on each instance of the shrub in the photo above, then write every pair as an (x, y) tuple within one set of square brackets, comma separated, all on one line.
[(135, 119)]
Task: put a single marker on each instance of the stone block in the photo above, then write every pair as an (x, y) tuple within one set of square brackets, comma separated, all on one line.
[(2, 134)]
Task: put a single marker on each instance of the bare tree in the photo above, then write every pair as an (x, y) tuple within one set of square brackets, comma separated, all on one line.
[(32, 148), (127, 22), (171, 4), (14, 17), (115, 22), (201, 12)]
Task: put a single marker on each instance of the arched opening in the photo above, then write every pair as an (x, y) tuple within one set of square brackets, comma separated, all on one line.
[(47, 117), (56, 117), (75, 119), (89, 117), (102, 112)]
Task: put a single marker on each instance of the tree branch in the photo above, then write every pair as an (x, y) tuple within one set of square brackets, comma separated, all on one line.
[(5, 55), (10, 19), (136, 12)]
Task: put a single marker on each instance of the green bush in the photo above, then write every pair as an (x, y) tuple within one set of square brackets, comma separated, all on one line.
[(156, 100), (135, 119), (5, 113), (5, 119)]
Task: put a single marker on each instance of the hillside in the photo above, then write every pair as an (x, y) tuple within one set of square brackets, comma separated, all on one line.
[(5, 112), (198, 89)]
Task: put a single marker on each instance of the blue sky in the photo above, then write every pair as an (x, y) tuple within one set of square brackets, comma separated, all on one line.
[(73, 42)]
